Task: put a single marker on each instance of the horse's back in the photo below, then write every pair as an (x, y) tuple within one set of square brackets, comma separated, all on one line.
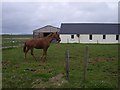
[(37, 43)]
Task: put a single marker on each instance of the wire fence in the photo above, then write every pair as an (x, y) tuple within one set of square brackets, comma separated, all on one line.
[(67, 65), (11, 41)]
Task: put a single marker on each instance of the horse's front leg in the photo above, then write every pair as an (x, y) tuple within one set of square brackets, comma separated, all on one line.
[(44, 55)]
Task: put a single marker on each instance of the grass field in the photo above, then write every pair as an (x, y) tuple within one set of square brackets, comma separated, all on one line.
[(102, 69)]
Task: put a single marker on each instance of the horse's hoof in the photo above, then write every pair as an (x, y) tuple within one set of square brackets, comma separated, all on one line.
[(41, 61), (41, 58)]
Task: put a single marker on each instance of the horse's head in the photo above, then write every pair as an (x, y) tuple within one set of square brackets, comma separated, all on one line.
[(56, 36)]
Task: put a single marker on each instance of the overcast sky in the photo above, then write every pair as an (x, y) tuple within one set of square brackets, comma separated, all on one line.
[(24, 17)]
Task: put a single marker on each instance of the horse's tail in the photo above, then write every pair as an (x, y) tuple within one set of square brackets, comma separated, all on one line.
[(24, 48)]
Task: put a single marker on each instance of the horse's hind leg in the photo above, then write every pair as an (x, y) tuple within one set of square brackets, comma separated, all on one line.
[(33, 54), (26, 52), (42, 57)]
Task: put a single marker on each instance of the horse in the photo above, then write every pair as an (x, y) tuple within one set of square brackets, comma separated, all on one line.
[(40, 43)]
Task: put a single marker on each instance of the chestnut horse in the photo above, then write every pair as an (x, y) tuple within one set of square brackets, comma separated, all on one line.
[(40, 43)]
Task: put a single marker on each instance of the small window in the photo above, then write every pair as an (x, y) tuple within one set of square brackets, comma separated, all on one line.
[(72, 36), (117, 37), (90, 37), (104, 36)]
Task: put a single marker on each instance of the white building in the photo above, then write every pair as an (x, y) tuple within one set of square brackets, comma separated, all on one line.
[(89, 33)]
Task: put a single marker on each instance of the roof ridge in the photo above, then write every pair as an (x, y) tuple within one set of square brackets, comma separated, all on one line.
[(90, 23), (46, 26)]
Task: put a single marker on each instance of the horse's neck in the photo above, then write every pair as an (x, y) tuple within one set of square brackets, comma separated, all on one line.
[(49, 38)]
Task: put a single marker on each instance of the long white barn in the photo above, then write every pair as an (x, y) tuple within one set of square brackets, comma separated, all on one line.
[(89, 33)]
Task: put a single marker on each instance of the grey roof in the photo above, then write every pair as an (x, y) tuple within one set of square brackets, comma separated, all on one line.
[(47, 28), (89, 28)]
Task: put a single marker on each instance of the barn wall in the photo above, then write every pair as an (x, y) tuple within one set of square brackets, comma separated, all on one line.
[(98, 39), (84, 38), (66, 38), (38, 33)]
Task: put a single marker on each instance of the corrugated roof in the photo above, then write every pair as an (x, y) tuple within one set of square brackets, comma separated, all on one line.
[(47, 28), (89, 28)]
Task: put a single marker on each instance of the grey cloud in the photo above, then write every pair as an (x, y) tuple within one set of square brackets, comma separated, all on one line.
[(24, 17), (119, 12)]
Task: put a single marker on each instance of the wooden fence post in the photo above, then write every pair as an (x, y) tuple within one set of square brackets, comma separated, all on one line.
[(85, 64), (67, 64)]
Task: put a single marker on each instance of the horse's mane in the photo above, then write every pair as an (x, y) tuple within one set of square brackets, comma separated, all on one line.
[(50, 35)]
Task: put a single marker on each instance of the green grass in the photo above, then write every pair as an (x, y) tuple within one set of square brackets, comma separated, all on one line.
[(101, 73)]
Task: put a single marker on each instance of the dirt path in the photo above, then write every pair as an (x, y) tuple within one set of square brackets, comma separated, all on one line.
[(5, 47)]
